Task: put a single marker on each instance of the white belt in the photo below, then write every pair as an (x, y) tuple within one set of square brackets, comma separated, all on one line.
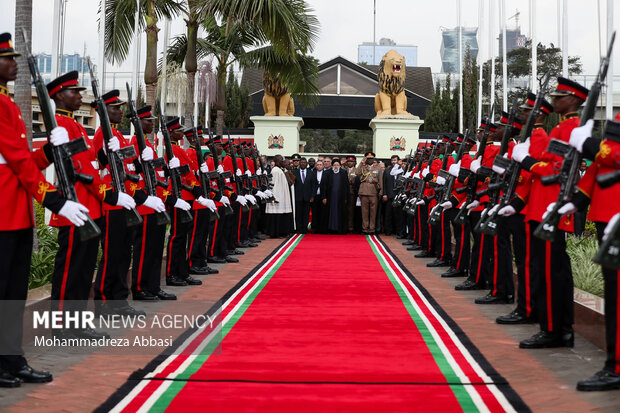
[(2, 160)]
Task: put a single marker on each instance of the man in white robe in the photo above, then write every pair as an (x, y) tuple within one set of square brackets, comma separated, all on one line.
[(279, 214)]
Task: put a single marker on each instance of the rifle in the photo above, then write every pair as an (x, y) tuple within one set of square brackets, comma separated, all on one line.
[(115, 159), (447, 191), (513, 169), (410, 206), (569, 173), (239, 181), (400, 183), (471, 178), (204, 178), (61, 155), (248, 179), (265, 178), (608, 254), (221, 177), (148, 167), (175, 173), (256, 178)]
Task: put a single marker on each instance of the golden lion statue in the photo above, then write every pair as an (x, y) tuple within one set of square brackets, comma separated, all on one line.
[(277, 101), (391, 99)]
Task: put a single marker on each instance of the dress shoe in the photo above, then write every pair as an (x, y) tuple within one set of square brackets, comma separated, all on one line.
[(467, 285), (129, 311), (216, 260), (515, 318), (212, 270), (7, 380), (453, 272), (192, 281), (29, 375), (228, 258), (438, 263), (425, 254), (414, 248), (408, 242), (144, 296), (255, 240), (162, 295), (401, 236), (261, 237), (252, 245), (494, 299), (198, 271), (175, 281), (87, 333), (603, 380), (547, 339), (234, 252)]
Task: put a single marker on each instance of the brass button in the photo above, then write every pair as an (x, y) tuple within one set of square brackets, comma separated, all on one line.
[(23, 135)]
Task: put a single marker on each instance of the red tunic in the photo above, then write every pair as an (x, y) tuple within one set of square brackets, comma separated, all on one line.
[(195, 167), (605, 202), (188, 178), (20, 175)]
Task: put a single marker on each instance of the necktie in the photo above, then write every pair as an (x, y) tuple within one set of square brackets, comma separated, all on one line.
[(303, 176)]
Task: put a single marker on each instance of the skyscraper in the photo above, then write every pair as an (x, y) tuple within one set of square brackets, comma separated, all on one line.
[(450, 47)]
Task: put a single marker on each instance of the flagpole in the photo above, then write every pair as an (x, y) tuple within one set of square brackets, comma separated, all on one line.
[(534, 82), (458, 7), (136, 58), (504, 54), (565, 38), (610, 69), (101, 54), (492, 52), (480, 62)]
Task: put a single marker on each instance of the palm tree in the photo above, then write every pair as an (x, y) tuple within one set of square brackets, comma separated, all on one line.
[(23, 89), (228, 43), (119, 33)]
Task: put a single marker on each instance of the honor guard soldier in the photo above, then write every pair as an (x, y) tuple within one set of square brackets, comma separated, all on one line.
[(22, 180), (177, 264), (148, 243), (110, 288), (76, 259), (232, 226), (351, 175), (371, 188), (604, 212), (549, 262)]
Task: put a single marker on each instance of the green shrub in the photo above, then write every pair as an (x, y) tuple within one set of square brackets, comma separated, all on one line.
[(42, 265), (587, 275)]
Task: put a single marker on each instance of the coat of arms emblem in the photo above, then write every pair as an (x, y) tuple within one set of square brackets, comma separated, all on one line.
[(276, 142), (397, 144)]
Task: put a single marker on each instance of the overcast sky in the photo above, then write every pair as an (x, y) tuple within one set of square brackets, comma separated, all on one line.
[(347, 23)]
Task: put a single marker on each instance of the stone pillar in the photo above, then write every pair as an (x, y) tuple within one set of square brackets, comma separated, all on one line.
[(277, 134), (394, 136)]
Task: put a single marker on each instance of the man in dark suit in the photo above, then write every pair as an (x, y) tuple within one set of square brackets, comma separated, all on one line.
[(320, 213), (391, 223), (303, 194)]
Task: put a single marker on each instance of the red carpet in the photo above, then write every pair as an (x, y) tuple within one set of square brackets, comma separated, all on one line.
[(327, 323)]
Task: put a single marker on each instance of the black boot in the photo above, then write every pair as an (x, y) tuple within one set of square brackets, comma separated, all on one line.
[(547, 339), (453, 272), (467, 285), (29, 375), (7, 380), (414, 248), (424, 254), (514, 318), (494, 299), (601, 381), (438, 263)]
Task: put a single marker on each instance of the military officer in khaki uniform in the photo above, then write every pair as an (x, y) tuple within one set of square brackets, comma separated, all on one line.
[(351, 174), (371, 189)]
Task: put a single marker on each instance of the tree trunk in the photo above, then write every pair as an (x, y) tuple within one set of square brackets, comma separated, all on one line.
[(150, 68), (191, 61), (220, 99)]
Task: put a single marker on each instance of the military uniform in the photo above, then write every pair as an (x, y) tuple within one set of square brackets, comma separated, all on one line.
[(371, 188), (351, 175)]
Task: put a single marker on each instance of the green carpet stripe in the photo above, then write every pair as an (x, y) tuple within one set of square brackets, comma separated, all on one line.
[(450, 375), (170, 393)]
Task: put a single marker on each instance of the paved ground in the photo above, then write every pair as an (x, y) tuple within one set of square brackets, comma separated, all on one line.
[(545, 379)]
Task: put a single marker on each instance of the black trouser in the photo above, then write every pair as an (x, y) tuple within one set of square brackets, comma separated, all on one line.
[(217, 245), (177, 263), (481, 265), (443, 247), (526, 304), (507, 228), (302, 215), (612, 286), (111, 281), (320, 216), (253, 219), (418, 232), (461, 235), (74, 266), (552, 279), (148, 250), (240, 230), (580, 222), (391, 219), (197, 240), (422, 215), (229, 227), (15, 257)]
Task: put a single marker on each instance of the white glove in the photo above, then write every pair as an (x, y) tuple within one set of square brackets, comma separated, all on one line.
[(211, 205), (147, 154), (579, 135), (492, 210), (205, 202), (251, 199), (204, 168), (161, 174), (420, 202), (248, 173), (425, 172), (261, 195), (475, 165), (113, 145), (472, 205), (174, 163), (446, 205), (521, 150), (224, 200), (220, 169), (131, 167), (269, 193), (74, 211), (568, 208), (259, 171), (238, 173), (454, 169), (408, 174), (125, 201), (241, 199), (441, 180), (433, 209), (59, 136), (499, 169), (507, 211), (609, 226), (155, 204), (181, 204)]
